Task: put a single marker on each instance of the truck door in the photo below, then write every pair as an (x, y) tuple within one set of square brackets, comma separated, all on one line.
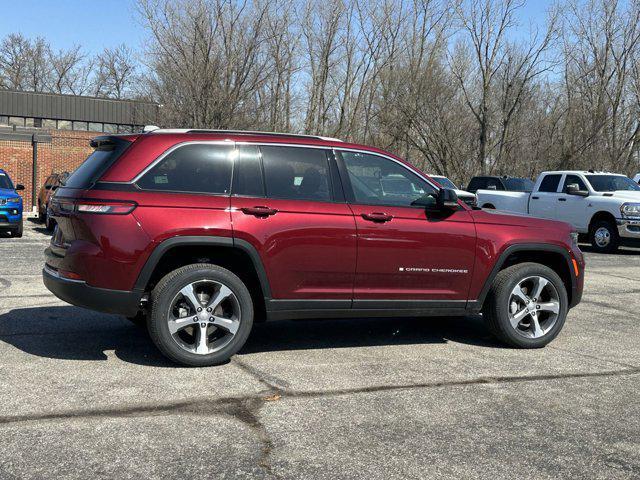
[(544, 202), (574, 209)]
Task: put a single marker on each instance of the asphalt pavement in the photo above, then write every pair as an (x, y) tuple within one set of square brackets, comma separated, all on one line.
[(86, 395)]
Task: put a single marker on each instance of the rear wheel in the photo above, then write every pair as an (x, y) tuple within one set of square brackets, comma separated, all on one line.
[(604, 236), (526, 306), (201, 315)]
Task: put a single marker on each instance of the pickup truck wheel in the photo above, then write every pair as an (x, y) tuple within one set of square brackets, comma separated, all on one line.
[(604, 236), (526, 306), (201, 315)]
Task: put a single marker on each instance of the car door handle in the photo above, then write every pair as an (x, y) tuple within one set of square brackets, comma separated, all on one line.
[(535, 198), (562, 199), (259, 211), (377, 217)]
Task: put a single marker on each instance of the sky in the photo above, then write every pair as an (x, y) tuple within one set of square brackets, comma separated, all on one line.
[(95, 25)]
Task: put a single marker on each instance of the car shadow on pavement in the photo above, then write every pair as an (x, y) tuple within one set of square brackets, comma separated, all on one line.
[(72, 333)]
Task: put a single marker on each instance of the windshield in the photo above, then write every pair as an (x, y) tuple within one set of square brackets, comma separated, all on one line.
[(518, 184), (445, 182), (5, 181), (612, 183)]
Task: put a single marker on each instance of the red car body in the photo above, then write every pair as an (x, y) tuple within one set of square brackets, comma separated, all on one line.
[(308, 258)]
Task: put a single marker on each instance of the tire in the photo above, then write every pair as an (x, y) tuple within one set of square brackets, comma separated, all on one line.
[(49, 223), (604, 237), (18, 231), (169, 306), (500, 315)]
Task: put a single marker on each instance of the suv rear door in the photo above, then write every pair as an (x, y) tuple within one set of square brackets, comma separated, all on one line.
[(406, 258), (288, 204)]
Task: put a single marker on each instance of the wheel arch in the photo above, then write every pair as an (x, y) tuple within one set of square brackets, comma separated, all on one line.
[(552, 256), (602, 215), (236, 255)]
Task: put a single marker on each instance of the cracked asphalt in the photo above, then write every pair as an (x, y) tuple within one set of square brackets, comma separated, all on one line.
[(84, 394)]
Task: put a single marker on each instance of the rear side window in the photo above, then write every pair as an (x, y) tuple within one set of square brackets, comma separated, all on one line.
[(550, 183), (477, 184), (518, 184), (196, 168), (494, 183), (96, 164), (296, 173)]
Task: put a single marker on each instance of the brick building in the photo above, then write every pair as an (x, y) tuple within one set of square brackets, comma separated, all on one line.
[(44, 133)]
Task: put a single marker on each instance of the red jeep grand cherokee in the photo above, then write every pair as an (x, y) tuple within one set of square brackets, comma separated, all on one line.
[(199, 233)]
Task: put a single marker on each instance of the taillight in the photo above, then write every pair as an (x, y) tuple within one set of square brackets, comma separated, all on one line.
[(107, 207)]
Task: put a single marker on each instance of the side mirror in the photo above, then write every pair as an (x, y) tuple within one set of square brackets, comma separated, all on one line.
[(47, 187), (445, 199), (574, 189), (19, 187), (54, 187)]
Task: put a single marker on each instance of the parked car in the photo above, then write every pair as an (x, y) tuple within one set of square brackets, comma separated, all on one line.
[(604, 206), (637, 178), (508, 184), (10, 206), (467, 197), (201, 233), (52, 182)]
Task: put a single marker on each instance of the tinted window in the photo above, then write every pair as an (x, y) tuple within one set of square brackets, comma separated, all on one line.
[(380, 181), (518, 184), (477, 184), (197, 168), (550, 183), (494, 184), (5, 181), (95, 165), (574, 180), (612, 183), (247, 173), (296, 173)]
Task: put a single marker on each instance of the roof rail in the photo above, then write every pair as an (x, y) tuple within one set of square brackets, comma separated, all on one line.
[(242, 132)]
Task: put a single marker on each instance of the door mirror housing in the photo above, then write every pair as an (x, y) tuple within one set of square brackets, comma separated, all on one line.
[(574, 189), (19, 187), (444, 199)]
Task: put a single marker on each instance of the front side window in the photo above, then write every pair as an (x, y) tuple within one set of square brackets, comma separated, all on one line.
[(380, 181), (296, 173), (445, 182), (5, 181), (573, 180), (196, 168), (612, 183)]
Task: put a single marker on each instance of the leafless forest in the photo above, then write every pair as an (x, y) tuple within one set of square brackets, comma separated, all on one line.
[(458, 87)]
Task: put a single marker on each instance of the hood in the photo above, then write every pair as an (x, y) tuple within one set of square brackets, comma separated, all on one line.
[(7, 192), (495, 217), (624, 195)]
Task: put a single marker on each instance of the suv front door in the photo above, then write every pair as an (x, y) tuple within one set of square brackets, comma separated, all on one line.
[(286, 204), (406, 257)]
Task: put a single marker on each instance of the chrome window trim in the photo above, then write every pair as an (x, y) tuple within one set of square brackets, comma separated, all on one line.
[(273, 144)]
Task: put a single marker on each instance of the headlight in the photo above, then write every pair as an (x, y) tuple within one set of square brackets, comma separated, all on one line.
[(13, 200), (630, 209), (574, 237)]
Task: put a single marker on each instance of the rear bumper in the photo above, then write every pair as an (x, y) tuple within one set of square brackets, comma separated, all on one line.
[(77, 292)]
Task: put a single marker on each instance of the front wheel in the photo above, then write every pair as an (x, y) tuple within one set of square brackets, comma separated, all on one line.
[(201, 315), (604, 236), (526, 306), (18, 231)]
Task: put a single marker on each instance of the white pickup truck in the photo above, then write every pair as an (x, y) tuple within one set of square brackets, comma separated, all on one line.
[(604, 206)]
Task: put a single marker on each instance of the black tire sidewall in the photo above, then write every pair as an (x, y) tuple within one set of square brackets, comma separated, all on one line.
[(165, 292), (615, 239), (505, 283)]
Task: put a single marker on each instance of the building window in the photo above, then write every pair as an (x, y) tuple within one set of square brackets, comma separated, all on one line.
[(95, 127), (110, 128), (16, 121), (29, 122), (48, 123), (125, 129), (37, 122), (4, 120), (80, 126), (64, 125)]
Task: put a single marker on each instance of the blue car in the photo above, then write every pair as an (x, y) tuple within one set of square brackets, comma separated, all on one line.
[(10, 206)]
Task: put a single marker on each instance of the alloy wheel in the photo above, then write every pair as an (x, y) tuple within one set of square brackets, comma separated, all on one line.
[(602, 237), (534, 306), (204, 317)]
